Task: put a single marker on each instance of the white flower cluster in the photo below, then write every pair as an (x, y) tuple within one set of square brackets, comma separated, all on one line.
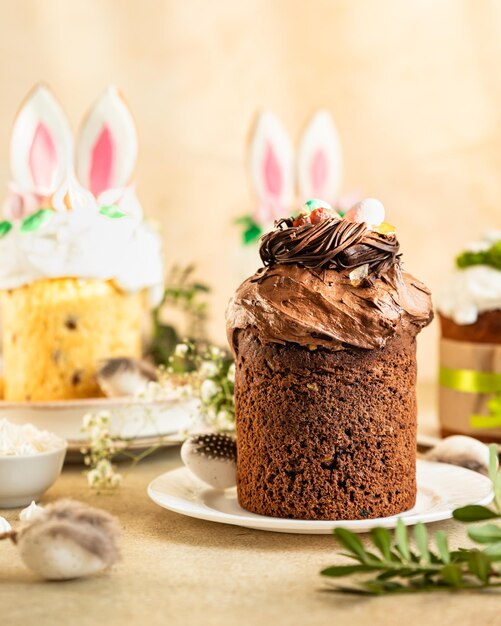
[(104, 476), (216, 390), (101, 448), (165, 390)]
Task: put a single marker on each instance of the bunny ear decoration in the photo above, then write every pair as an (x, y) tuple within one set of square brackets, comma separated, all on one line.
[(41, 144), (107, 144), (272, 168), (319, 159)]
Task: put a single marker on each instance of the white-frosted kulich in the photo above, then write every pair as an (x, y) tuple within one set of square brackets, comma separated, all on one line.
[(470, 291)]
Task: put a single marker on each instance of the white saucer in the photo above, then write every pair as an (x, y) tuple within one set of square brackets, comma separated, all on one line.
[(441, 489), (131, 418)]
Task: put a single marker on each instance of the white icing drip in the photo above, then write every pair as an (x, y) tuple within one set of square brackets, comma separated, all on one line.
[(78, 241), (26, 440), (5, 527), (472, 290), (469, 292)]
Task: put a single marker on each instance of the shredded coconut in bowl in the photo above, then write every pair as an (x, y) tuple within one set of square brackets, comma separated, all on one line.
[(26, 440)]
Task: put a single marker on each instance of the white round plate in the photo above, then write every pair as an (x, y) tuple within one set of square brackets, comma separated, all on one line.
[(441, 489), (131, 418)]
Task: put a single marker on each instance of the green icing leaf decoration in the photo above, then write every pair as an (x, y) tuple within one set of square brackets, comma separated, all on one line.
[(315, 203), (36, 221), (252, 231), (5, 228), (490, 257), (111, 211)]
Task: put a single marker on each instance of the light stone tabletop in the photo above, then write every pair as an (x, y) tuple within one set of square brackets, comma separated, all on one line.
[(181, 571)]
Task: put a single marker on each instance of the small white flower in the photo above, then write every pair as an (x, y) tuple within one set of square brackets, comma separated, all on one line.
[(87, 421), (223, 418), (215, 352), (208, 369), (231, 373), (116, 480), (211, 413), (209, 389), (93, 478), (181, 350)]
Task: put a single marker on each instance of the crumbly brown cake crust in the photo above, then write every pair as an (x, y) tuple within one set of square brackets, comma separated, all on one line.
[(487, 328), (324, 434)]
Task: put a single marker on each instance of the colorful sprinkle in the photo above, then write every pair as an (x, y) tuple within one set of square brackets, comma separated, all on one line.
[(111, 211), (315, 203), (37, 220), (5, 227)]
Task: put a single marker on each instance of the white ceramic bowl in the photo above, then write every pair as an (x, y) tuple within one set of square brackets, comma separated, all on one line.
[(27, 478)]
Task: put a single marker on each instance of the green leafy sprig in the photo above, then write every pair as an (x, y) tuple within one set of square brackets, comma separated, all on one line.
[(491, 257), (251, 230), (184, 294), (392, 565)]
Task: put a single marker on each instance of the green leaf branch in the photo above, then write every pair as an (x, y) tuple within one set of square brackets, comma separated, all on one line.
[(395, 565)]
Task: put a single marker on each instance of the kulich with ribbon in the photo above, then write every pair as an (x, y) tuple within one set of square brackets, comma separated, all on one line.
[(470, 388)]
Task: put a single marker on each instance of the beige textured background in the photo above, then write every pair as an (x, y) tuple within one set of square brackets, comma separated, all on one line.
[(414, 86)]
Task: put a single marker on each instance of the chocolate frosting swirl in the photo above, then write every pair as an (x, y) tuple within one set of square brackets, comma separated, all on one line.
[(305, 294), (333, 243), (293, 304)]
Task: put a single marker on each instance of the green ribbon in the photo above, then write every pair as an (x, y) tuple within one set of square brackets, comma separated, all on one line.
[(471, 381)]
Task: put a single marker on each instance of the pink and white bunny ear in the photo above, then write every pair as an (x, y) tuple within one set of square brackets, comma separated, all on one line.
[(41, 145), (272, 167), (107, 144), (319, 159)]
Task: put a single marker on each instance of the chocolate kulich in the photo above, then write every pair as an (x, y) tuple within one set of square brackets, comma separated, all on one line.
[(324, 344), (326, 435)]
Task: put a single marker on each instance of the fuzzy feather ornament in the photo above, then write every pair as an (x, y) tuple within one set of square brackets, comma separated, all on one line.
[(68, 540)]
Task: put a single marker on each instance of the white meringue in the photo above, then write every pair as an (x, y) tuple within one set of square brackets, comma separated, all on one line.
[(30, 512)]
